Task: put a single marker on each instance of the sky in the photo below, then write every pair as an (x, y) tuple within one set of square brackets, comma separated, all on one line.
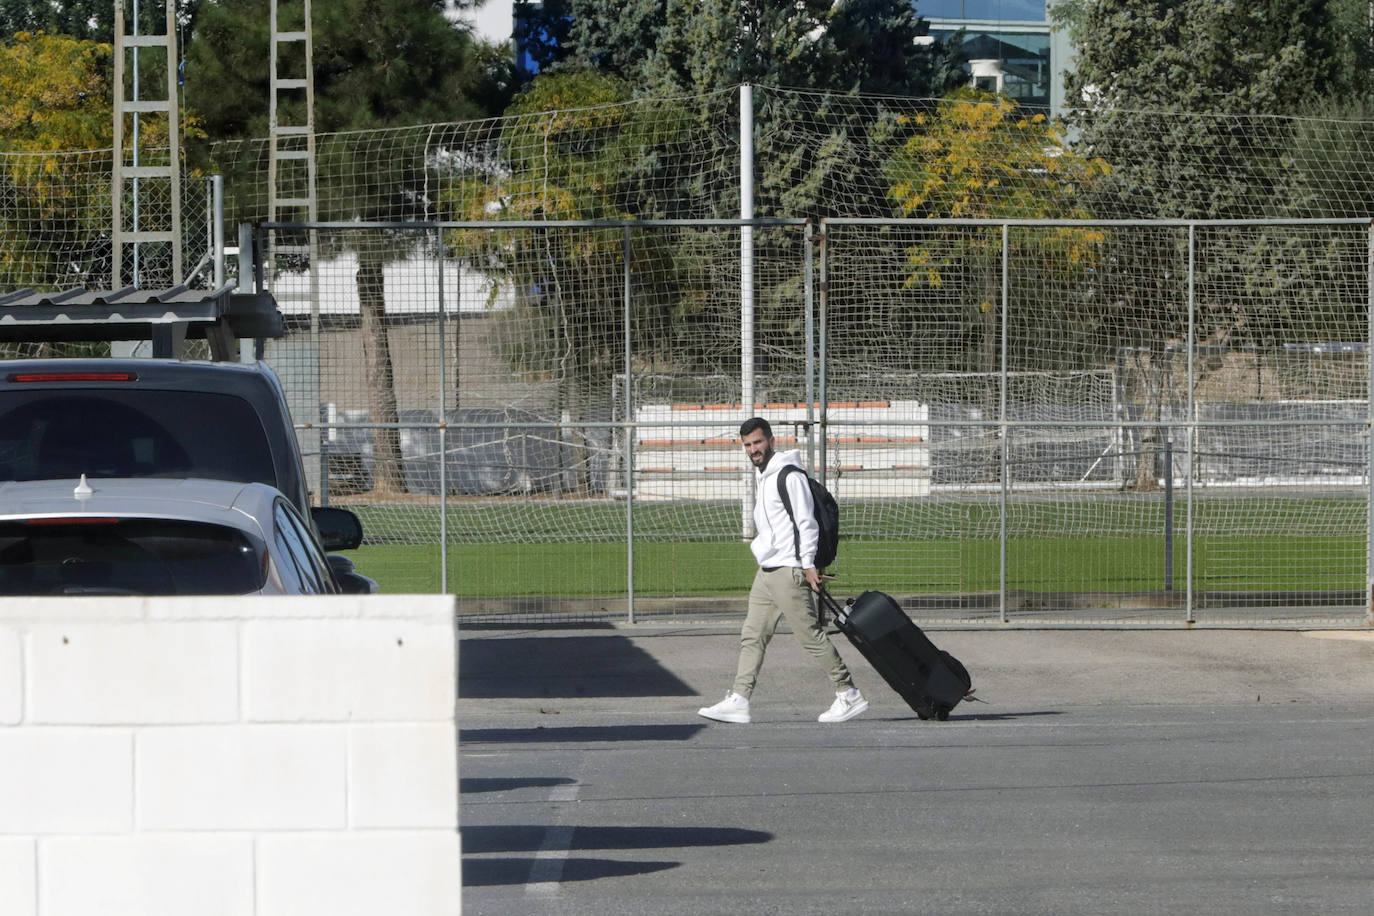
[(492, 19)]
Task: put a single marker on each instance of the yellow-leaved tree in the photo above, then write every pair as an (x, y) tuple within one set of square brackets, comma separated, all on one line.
[(976, 156), (55, 109)]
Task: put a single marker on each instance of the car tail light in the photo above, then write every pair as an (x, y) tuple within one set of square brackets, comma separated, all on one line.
[(72, 377)]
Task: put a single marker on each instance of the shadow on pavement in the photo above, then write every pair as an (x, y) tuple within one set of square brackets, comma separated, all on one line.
[(476, 784), (530, 838), (577, 733), (498, 872), (571, 666), (996, 716), (479, 871)]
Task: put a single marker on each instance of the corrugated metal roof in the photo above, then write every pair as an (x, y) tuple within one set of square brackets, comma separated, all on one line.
[(128, 305), (137, 314)]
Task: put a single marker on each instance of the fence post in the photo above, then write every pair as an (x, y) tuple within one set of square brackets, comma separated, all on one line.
[(443, 419), (1003, 429), (822, 344), (1190, 617), (629, 447), (1169, 514), (808, 306), (1369, 454), (746, 281)]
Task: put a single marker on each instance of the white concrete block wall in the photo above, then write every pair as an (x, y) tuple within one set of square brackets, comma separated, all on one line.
[(66, 780), (228, 756), (115, 674), (402, 776), (148, 875), (358, 874), (295, 670), (18, 865), (11, 677), (252, 777)]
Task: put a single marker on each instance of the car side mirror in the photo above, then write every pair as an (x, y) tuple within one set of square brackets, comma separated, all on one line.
[(339, 529), (350, 581)]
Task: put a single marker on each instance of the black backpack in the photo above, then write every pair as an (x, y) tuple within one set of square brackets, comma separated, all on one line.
[(827, 517)]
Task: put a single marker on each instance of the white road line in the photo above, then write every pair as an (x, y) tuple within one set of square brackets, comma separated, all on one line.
[(547, 868)]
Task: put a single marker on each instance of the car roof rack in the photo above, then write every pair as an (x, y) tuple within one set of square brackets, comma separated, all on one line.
[(166, 317)]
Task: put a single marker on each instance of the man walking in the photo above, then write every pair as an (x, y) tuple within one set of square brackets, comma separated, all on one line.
[(785, 583)]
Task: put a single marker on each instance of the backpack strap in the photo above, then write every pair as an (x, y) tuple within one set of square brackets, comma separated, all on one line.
[(819, 605), (787, 505)]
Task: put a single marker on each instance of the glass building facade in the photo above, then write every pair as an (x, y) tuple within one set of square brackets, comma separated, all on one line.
[(1009, 47), (1008, 44)]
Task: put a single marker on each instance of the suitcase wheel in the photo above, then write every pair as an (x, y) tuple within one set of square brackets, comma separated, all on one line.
[(942, 713)]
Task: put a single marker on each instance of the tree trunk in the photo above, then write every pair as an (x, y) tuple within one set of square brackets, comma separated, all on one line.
[(990, 365), (1147, 437), (386, 443)]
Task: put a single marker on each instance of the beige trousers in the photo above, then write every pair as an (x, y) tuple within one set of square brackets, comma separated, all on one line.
[(784, 592)]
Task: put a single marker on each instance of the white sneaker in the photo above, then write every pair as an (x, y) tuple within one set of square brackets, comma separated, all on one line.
[(847, 705), (734, 708)]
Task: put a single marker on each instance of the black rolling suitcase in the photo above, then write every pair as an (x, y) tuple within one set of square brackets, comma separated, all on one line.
[(930, 680)]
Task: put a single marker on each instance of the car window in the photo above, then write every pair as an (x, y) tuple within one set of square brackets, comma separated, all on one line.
[(296, 551), (314, 554), (287, 563), (52, 434), (127, 557)]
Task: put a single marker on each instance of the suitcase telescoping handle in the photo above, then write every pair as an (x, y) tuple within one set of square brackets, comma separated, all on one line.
[(828, 602)]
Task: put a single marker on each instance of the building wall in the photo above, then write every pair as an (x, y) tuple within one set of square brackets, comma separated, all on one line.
[(478, 374), (234, 757)]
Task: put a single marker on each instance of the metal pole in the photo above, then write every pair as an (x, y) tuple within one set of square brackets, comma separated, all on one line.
[(1192, 414), (217, 226), (1369, 455), (247, 283), (174, 143), (746, 280), (117, 165), (137, 279), (443, 418), (1169, 514), (823, 348), (629, 448), (1003, 429), (809, 305)]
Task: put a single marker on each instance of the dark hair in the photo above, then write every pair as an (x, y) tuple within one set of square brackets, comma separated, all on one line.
[(753, 424)]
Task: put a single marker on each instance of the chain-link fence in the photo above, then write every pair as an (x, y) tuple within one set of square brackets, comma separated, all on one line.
[(523, 346), (55, 219), (1140, 434)]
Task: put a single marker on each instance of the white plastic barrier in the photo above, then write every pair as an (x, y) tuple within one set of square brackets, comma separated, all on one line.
[(879, 448), (234, 757)]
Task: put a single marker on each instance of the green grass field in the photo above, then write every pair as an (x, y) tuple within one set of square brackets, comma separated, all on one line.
[(1104, 542), (919, 566)]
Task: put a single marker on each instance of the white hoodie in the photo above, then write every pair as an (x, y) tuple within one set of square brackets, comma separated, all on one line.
[(776, 541)]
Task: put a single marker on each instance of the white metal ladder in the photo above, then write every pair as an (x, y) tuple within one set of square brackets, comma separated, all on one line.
[(291, 160), (129, 178)]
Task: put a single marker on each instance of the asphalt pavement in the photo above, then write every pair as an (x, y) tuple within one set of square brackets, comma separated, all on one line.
[(1103, 772)]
